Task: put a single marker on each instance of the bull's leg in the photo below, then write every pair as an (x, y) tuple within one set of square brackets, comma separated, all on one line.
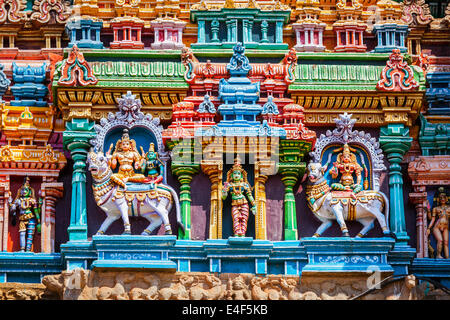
[(338, 212), (321, 229), (105, 225), (367, 226), (164, 214), (380, 217), (123, 208), (155, 222)]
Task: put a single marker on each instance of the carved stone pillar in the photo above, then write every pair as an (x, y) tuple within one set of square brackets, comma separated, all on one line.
[(50, 191), (289, 176), (185, 173), (4, 211), (261, 174), (214, 171), (395, 142), (419, 199), (76, 140)]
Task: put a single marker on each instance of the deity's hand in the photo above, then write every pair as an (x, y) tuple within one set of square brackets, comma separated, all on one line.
[(428, 232), (254, 210), (110, 149)]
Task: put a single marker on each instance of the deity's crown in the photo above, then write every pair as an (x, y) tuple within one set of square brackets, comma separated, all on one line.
[(152, 147), (441, 190), (237, 164), (125, 135), (346, 149)]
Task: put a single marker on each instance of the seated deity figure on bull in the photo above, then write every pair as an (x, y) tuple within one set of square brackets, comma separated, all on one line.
[(126, 154), (346, 165), (350, 198), (138, 187)]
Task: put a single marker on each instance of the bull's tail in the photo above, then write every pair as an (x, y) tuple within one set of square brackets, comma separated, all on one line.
[(177, 207), (386, 208)]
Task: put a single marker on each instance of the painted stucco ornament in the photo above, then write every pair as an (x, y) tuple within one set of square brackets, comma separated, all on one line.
[(240, 190), (349, 199), (28, 210), (440, 216)]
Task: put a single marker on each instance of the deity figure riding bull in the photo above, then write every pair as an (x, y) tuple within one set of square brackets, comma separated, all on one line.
[(127, 193), (345, 200)]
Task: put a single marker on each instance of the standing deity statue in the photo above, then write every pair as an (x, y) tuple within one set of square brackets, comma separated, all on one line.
[(346, 165), (439, 222), (126, 154), (152, 167), (239, 188), (29, 214)]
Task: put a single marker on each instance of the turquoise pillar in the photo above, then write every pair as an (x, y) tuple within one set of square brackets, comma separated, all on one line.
[(201, 31), (76, 140), (279, 32), (395, 142)]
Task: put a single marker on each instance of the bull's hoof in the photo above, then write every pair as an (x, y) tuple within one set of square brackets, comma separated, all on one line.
[(390, 234), (316, 235), (168, 232), (100, 233), (126, 233), (146, 232), (359, 235), (346, 234)]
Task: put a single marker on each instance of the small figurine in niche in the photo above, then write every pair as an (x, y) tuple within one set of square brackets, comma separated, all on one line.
[(152, 167), (126, 154), (439, 222), (29, 214), (346, 165), (239, 188)]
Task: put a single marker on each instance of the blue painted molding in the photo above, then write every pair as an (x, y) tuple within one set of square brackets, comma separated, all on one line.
[(232, 255), (28, 267), (134, 252), (347, 254), (438, 93), (431, 268)]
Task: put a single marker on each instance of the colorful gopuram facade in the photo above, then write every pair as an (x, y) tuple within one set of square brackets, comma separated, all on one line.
[(225, 149)]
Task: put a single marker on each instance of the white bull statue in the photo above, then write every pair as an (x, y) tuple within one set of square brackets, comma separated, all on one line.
[(152, 202), (364, 208)]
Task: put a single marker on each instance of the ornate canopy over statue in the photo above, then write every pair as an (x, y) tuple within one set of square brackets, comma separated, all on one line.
[(345, 135), (142, 126)]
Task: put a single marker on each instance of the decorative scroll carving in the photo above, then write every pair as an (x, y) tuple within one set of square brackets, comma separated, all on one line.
[(416, 12), (15, 12), (42, 9), (397, 75), (76, 71)]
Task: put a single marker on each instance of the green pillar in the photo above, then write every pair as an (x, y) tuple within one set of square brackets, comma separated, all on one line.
[(395, 142), (289, 176), (76, 140), (185, 173), (291, 167)]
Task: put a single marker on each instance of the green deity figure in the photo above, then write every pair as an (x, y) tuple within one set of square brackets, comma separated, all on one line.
[(29, 211), (153, 167), (239, 188)]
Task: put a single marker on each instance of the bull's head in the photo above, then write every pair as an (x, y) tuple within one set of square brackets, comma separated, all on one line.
[(315, 171), (98, 164)]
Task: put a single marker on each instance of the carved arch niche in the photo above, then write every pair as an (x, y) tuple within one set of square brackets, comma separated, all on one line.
[(368, 151)]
